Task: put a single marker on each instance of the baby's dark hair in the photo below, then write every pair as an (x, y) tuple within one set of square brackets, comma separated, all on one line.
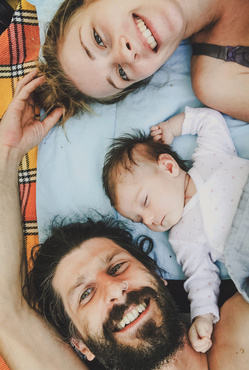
[(122, 153)]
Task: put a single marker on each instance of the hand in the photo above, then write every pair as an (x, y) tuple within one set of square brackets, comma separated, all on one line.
[(200, 333), (19, 129), (168, 130), (162, 132)]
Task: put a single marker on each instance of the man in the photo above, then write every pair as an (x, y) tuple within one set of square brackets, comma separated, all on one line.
[(98, 284)]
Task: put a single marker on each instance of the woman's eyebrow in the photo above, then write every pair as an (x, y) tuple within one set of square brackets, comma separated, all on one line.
[(88, 53), (92, 57), (109, 80)]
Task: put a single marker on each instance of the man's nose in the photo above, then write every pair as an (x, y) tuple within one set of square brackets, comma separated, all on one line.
[(114, 289)]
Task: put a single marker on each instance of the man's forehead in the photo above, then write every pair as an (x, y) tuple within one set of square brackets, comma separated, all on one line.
[(101, 244), (93, 253)]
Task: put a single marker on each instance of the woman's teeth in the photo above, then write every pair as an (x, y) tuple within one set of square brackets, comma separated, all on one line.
[(131, 316), (146, 33)]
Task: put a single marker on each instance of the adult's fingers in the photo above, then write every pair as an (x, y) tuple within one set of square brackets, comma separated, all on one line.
[(26, 79), (51, 120), (27, 89)]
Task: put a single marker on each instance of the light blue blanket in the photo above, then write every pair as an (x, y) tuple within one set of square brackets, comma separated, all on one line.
[(69, 168)]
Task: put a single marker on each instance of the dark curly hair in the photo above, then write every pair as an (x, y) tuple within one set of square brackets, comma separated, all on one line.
[(64, 239)]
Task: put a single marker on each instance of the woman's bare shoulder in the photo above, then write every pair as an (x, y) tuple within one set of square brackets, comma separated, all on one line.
[(221, 85)]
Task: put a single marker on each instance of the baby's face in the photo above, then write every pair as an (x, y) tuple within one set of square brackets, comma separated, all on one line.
[(152, 194)]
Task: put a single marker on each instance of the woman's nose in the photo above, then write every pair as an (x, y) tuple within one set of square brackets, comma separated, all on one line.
[(127, 50)]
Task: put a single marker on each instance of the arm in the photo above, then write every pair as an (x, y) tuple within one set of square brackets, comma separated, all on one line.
[(26, 341), (202, 284), (221, 85), (208, 124)]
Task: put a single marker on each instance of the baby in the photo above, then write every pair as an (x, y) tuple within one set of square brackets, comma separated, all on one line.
[(147, 182)]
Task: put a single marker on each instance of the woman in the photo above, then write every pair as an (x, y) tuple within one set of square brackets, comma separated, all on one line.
[(26, 340), (99, 51)]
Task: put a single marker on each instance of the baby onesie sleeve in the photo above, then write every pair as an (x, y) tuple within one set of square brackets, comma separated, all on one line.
[(202, 275), (211, 128)]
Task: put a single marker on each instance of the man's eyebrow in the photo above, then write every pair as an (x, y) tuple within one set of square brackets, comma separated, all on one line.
[(80, 281), (88, 53)]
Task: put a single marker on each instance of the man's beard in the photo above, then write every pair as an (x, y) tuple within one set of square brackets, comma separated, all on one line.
[(158, 342)]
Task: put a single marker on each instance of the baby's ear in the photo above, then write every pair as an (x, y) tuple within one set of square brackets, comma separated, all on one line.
[(168, 163), (82, 348)]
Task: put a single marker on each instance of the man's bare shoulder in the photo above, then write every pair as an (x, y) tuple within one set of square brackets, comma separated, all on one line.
[(230, 348)]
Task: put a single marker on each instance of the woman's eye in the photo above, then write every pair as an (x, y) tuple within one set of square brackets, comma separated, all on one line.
[(85, 294), (115, 269), (98, 39), (122, 73)]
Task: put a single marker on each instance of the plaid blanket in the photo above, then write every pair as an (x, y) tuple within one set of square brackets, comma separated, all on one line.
[(19, 47)]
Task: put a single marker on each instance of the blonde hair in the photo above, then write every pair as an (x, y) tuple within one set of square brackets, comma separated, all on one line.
[(58, 90)]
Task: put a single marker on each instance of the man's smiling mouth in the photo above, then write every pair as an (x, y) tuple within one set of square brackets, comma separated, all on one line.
[(147, 34), (131, 316)]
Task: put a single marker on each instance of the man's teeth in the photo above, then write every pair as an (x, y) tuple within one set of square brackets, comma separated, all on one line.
[(131, 316), (146, 33)]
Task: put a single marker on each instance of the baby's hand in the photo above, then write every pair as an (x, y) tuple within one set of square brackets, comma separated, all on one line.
[(200, 333), (162, 132), (168, 130)]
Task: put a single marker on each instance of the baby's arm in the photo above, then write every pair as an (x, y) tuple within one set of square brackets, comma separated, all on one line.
[(200, 332), (166, 131)]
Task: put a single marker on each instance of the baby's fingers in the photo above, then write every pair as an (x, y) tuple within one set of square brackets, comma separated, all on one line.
[(156, 132), (154, 128), (202, 345), (157, 138)]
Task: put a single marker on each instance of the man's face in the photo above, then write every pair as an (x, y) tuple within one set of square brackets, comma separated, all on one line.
[(119, 326)]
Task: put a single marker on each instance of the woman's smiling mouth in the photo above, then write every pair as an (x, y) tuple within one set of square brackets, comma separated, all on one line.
[(146, 33)]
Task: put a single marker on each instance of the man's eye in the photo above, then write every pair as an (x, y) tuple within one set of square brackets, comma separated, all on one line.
[(98, 39), (122, 73), (115, 269), (85, 294)]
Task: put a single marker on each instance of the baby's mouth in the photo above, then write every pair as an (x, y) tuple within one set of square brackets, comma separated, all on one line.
[(146, 32), (131, 316)]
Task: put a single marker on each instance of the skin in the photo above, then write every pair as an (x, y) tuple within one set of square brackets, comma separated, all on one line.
[(24, 335), (119, 47), (98, 270), (156, 191), (118, 43), (218, 84)]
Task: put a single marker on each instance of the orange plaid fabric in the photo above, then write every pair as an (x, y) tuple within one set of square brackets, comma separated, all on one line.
[(19, 47)]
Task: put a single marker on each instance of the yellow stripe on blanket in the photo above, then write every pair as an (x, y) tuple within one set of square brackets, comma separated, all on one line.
[(19, 48)]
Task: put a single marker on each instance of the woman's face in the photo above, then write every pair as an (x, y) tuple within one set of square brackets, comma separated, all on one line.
[(111, 44)]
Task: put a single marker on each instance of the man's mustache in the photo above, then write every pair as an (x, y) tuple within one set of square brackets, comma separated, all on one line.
[(135, 297)]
